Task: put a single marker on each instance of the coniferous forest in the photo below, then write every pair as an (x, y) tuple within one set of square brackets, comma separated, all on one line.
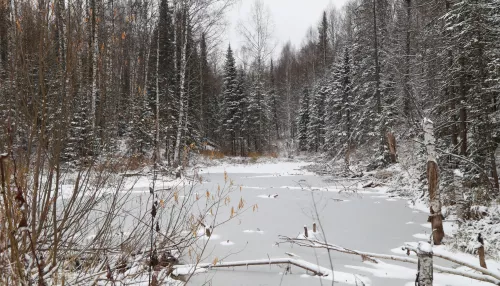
[(95, 86), (85, 78)]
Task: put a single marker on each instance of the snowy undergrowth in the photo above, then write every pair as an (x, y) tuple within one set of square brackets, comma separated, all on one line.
[(407, 179)]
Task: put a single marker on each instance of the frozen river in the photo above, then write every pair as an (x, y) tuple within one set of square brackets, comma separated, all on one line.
[(366, 222)]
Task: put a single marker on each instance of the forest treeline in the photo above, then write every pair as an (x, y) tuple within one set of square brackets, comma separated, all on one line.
[(84, 78)]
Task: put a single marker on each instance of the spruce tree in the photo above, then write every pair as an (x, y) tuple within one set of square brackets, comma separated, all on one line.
[(231, 116), (316, 124), (274, 106)]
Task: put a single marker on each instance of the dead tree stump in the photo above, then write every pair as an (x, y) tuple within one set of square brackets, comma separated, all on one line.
[(425, 269), (314, 227), (436, 218), (391, 142), (480, 252)]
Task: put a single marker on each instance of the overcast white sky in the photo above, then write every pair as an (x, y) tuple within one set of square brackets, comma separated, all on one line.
[(292, 18)]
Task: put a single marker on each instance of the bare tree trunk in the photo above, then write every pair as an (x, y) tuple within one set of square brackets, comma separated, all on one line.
[(391, 142), (181, 87), (288, 99), (450, 92), (347, 157), (436, 217), (480, 252), (493, 164), (407, 86), (95, 53), (378, 95), (157, 137), (463, 111)]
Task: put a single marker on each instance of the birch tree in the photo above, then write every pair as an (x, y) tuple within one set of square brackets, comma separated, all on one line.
[(436, 218)]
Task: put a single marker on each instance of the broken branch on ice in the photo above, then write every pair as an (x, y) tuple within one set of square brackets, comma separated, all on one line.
[(484, 275)]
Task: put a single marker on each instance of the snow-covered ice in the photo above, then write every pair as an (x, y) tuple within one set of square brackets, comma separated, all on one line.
[(362, 224)]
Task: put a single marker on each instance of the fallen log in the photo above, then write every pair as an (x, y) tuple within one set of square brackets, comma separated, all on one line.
[(317, 270)]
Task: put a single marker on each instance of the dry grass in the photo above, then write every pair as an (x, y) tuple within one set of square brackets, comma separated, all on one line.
[(384, 174), (212, 154), (254, 156), (119, 164)]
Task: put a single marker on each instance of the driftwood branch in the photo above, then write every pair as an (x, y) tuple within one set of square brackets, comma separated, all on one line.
[(486, 276)]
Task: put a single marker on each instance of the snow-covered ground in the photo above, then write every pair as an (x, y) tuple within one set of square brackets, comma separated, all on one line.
[(270, 169)]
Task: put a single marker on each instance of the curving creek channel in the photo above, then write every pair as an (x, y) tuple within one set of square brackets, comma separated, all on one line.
[(366, 220)]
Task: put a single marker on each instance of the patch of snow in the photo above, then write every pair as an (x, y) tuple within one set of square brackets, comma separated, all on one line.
[(257, 188), (253, 231), (421, 236), (449, 227), (274, 196), (458, 173), (425, 247), (187, 270), (227, 243), (268, 168), (387, 270), (291, 254), (401, 251), (376, 190)]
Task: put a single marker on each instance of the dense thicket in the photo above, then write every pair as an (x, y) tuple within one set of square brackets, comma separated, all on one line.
[(92, 77)]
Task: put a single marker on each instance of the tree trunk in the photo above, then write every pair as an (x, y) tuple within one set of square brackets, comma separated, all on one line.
[(463, 111), (378, 95), (435, 218), (347, 158), (494, 172), (407, 87), (157, 137), (182, 88), (425, 268), (482, 260), (391, 142), (95, 53), (450, 92), (4, 23)]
